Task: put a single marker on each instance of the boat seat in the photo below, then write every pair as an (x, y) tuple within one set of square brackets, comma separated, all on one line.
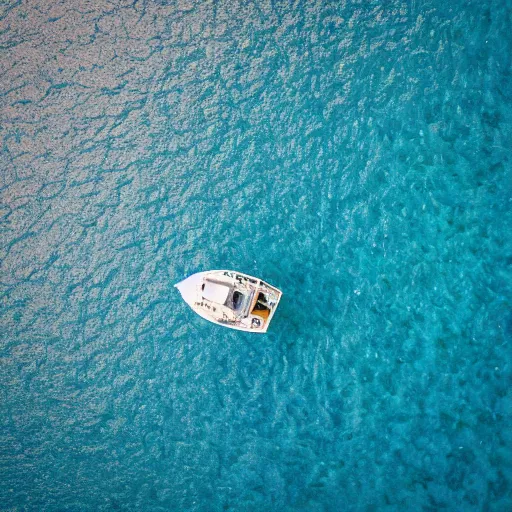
[(263, 313), (238, 299)]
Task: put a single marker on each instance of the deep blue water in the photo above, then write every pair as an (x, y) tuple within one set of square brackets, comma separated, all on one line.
[(356, 154)]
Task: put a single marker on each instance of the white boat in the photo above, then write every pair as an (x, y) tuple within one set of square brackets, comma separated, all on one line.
[(231, 299)]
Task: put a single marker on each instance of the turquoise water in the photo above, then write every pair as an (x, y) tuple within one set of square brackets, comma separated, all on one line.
[(356, 154)]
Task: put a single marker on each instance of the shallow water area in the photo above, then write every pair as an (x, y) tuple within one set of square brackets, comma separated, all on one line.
[(356, 155)]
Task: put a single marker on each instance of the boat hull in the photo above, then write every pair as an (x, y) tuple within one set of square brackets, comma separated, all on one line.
[(231, 299)]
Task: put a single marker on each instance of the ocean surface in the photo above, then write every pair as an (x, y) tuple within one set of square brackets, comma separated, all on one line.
[(355, 154)]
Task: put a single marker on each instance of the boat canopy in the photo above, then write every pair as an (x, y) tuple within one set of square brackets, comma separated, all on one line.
[(215, 292)]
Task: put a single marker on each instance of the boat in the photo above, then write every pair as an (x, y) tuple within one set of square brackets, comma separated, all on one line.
[(231, 299)]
